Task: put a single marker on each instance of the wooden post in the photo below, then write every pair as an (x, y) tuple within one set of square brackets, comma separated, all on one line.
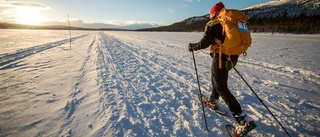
[(69, 30)]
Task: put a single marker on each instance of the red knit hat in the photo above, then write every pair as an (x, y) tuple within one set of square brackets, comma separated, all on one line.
[(216, 7)]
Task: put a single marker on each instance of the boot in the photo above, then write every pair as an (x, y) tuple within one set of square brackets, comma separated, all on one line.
[(243, 125), (211, 103)]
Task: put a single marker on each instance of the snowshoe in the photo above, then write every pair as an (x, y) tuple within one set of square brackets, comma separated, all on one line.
[(213, 105), (244, 129)]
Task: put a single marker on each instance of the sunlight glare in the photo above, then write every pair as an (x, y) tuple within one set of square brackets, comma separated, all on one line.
[(28, 16)]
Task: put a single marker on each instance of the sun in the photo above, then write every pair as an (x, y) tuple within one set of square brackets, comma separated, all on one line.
[(28, 16)]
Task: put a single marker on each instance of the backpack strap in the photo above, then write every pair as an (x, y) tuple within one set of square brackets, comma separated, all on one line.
[(220, 57), (220, 51), (229, 58)]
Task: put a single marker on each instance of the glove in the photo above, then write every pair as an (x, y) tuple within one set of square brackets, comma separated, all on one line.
[(192, 47)]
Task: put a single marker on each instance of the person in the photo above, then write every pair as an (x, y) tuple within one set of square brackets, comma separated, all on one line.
[(212, 36)]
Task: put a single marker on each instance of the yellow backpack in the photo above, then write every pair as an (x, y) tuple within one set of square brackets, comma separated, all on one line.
[(237, 36)]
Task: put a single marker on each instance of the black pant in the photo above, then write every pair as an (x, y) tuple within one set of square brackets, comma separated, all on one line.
[(220, 82)]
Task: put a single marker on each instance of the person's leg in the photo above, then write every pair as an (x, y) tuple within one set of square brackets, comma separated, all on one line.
[(214, 93), (220, 84)]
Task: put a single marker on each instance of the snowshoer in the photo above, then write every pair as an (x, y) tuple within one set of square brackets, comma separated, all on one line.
[(212, 34)]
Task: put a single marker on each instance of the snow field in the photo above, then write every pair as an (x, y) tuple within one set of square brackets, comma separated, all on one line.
[(144, 84)]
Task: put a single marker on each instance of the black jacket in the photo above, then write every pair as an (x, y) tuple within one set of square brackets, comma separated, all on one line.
[(213, 30)]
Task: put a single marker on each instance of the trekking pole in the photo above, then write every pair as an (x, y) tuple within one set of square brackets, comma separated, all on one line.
[(204, 114), (262, 102)]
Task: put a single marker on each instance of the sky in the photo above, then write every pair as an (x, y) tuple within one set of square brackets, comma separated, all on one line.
[(109, 13)]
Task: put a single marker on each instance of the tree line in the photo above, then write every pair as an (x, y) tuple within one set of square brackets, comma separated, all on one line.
[(301, 24)]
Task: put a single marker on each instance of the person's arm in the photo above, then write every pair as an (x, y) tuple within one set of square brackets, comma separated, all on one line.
[(208, 36)]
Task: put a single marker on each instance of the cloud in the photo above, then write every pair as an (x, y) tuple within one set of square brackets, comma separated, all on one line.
[(184, 5), (17, 4), (192, 0), (8, 13), (30, 5), (9, 10), (170, 10)]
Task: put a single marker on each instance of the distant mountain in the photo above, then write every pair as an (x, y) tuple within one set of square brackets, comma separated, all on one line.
[(296, 16), (4, 25), (107, 25), (80, 24), (291, 8), (287, 16), (196, 23), (132, 26), (139, 26)]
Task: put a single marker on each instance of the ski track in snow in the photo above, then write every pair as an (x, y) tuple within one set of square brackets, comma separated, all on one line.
[(20, 54), (148, 96), (133, 84)]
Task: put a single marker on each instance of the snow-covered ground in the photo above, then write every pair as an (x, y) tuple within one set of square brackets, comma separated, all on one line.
[(143, 84)]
